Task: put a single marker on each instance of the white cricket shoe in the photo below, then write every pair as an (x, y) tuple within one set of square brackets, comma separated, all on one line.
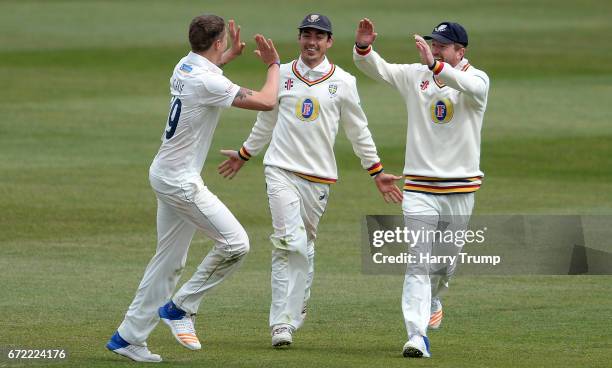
[(436, 314), (282, 336), (417, 347), (184, 332), (181, 324), (135, 352)]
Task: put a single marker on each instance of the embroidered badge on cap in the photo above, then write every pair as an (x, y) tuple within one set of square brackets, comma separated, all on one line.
[(441, 28)]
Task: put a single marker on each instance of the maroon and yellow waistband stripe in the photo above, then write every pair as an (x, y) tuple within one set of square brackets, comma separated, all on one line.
[(442, 180), (312, 83), (375, 169), (244, 154), (363, 52), (437, 67), (441, 190), (432, 185), (316, 179)]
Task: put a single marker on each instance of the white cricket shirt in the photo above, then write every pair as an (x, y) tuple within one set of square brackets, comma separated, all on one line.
[(445, 116), (302, 128), (199, 92)]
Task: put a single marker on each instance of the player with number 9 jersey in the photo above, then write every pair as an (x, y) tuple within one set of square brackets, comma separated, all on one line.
[(199, 92)]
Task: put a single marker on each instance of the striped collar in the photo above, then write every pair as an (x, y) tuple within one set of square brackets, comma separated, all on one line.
[(463, 65), (312, 76)]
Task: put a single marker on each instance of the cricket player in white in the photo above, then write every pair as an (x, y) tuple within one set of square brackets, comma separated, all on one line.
[(315, 97), (199, 93), (446, 98)]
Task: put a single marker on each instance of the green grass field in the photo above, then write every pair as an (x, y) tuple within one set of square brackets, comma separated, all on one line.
[(83, 103)]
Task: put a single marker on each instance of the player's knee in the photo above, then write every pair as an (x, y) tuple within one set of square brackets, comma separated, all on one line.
[(235, 246), (242, 245), (246, 245), (292, 240)]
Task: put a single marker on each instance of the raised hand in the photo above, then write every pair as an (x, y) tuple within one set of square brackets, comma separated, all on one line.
[(386, 186), (237, 46), (266, 50), (365, 35), (424, 50), (234, 33), (230, 167)]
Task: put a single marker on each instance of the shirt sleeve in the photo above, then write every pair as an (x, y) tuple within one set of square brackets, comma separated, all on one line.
[(218, 91), (475, 85), (375, 67), (261, 134), (355, 125)]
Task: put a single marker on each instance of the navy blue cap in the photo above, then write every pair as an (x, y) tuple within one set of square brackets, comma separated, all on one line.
[(449, 32), (316, 21)]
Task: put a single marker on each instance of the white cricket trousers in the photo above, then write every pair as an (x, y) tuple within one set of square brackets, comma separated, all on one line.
[(430, 212), (296, 206), (181, 210)]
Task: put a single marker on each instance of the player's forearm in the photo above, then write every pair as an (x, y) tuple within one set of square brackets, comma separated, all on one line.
[(356, 129), (263, 100), (227, 57), (473, 85), (355, 125), (365, 149), (261, 134), (269, 91), (372, 65), (367, 64)]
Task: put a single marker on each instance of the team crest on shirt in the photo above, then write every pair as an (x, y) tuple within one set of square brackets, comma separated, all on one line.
[(441, 111), (307, 108), (332, 88), (186, 68)]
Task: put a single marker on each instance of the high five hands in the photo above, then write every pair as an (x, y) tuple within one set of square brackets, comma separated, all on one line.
[(424, 50), (365, 34), (265, 47), (237, 46)]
